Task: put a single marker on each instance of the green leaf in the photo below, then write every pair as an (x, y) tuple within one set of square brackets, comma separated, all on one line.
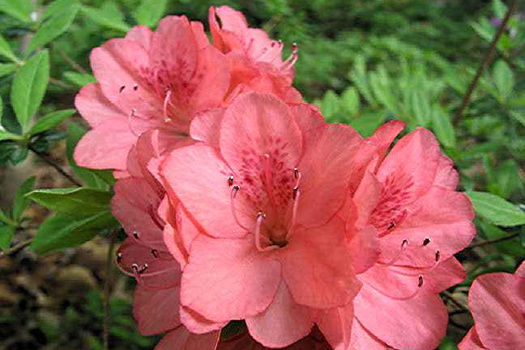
[(50, 121), (508, 178), (21, 202), (109, 15), (350, 102), (503, 79), (508, 247), (29, 87), (72, 201), (420, 107), (368, 123), (6, 235), (359, 77), (57, 6), (330, 105), (6, 135), (447, 344), (150, 12), (19, 9), (62, 231), (54, 27), (519, 116), (496, 210), (79, 79), (443, 127), (499, 8), (99, 179), (7, 68), (6, 219), (6, 51)]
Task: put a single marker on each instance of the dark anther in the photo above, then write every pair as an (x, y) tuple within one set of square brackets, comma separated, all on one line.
[(404, 244), (426, 241), (420, 281), (261, 214), (121, 88), (296, 173), (155, 253), (135, 87), (144, 268), (135, 234), (295, 192), (391, 225), (135, 267), (235, 189), (119, 257), (438, 255), (230, 181)]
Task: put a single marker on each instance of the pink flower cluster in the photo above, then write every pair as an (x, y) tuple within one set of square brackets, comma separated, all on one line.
[(241, 203)]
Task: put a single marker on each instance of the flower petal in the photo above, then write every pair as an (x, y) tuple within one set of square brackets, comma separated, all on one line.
[(181, 339), (156, 310)]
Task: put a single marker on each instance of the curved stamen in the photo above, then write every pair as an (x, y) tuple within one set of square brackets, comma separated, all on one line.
[(230, 181), (290, 61), (257, 232), (404, 246), (420, 281), (420, 270), (235, 189), (131, 115), (295, 208), (165, 106)]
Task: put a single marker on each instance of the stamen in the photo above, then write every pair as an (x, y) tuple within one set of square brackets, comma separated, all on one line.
[(135, 235), (119, 257), (121, 89), (230, 181), (295, 208), (437, 256), (257, 233), (130, 121), (135, 87), (404, 246), (165, 106), (235, 189), (426, 241), (155, 253), (290, 61), (420, 282)]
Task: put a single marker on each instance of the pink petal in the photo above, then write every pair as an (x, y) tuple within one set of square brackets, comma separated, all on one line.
[(446, 175), (199, 178), (366, 198), (117, 67), (442, 216), (328, 155), (336, 325), (363, 247), (415, 157), (329, 281), (471, 341), (283, 323), (307, 116), (107, 146), (137, 213), (363, 339), (156, 310), (181, 339), (141, 34), (228, 279), (497, 302), (422, 319), (385, 135), (259, 139), (196, 323), (94, 107), (205, 126)]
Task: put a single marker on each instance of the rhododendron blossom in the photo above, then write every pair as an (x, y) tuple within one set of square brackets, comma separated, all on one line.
[(497, 303), (270, 249), (409, 197)]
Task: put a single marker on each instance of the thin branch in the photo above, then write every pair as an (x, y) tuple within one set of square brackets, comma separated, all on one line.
[(61, 83), (52, 163), (493, 241), (107, 289), (458, 303), (72, 62), (485, 62), (16, 248)]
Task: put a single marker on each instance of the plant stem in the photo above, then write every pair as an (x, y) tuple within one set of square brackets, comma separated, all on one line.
[(485, 62), (52, 163), (16, 248), (72, 62), (459, 304), (107, 289), (492, 241)]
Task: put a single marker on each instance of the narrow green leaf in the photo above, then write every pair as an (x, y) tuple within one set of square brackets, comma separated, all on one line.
[(21, 202), (503, 79), (350, 102), (499, 8), (1, 113), (509, 178), (29, 87), (62, 231), (109, 15), (50, 120), (496, 210), (6, 235), (54, 27), (99, 179), (443, 128), (330, 105), (57, 6), (6, 51), (150, 12), (6, 135), (519, 116), (19, 9), (368, 123), (79, 79), (72, 201), (6, 219), (7, 68)]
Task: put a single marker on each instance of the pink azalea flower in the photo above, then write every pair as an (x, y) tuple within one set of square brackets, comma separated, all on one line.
[(263, 191), (497, 303), (144, 255), (407, 205), (148, 80), (254, 59)]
